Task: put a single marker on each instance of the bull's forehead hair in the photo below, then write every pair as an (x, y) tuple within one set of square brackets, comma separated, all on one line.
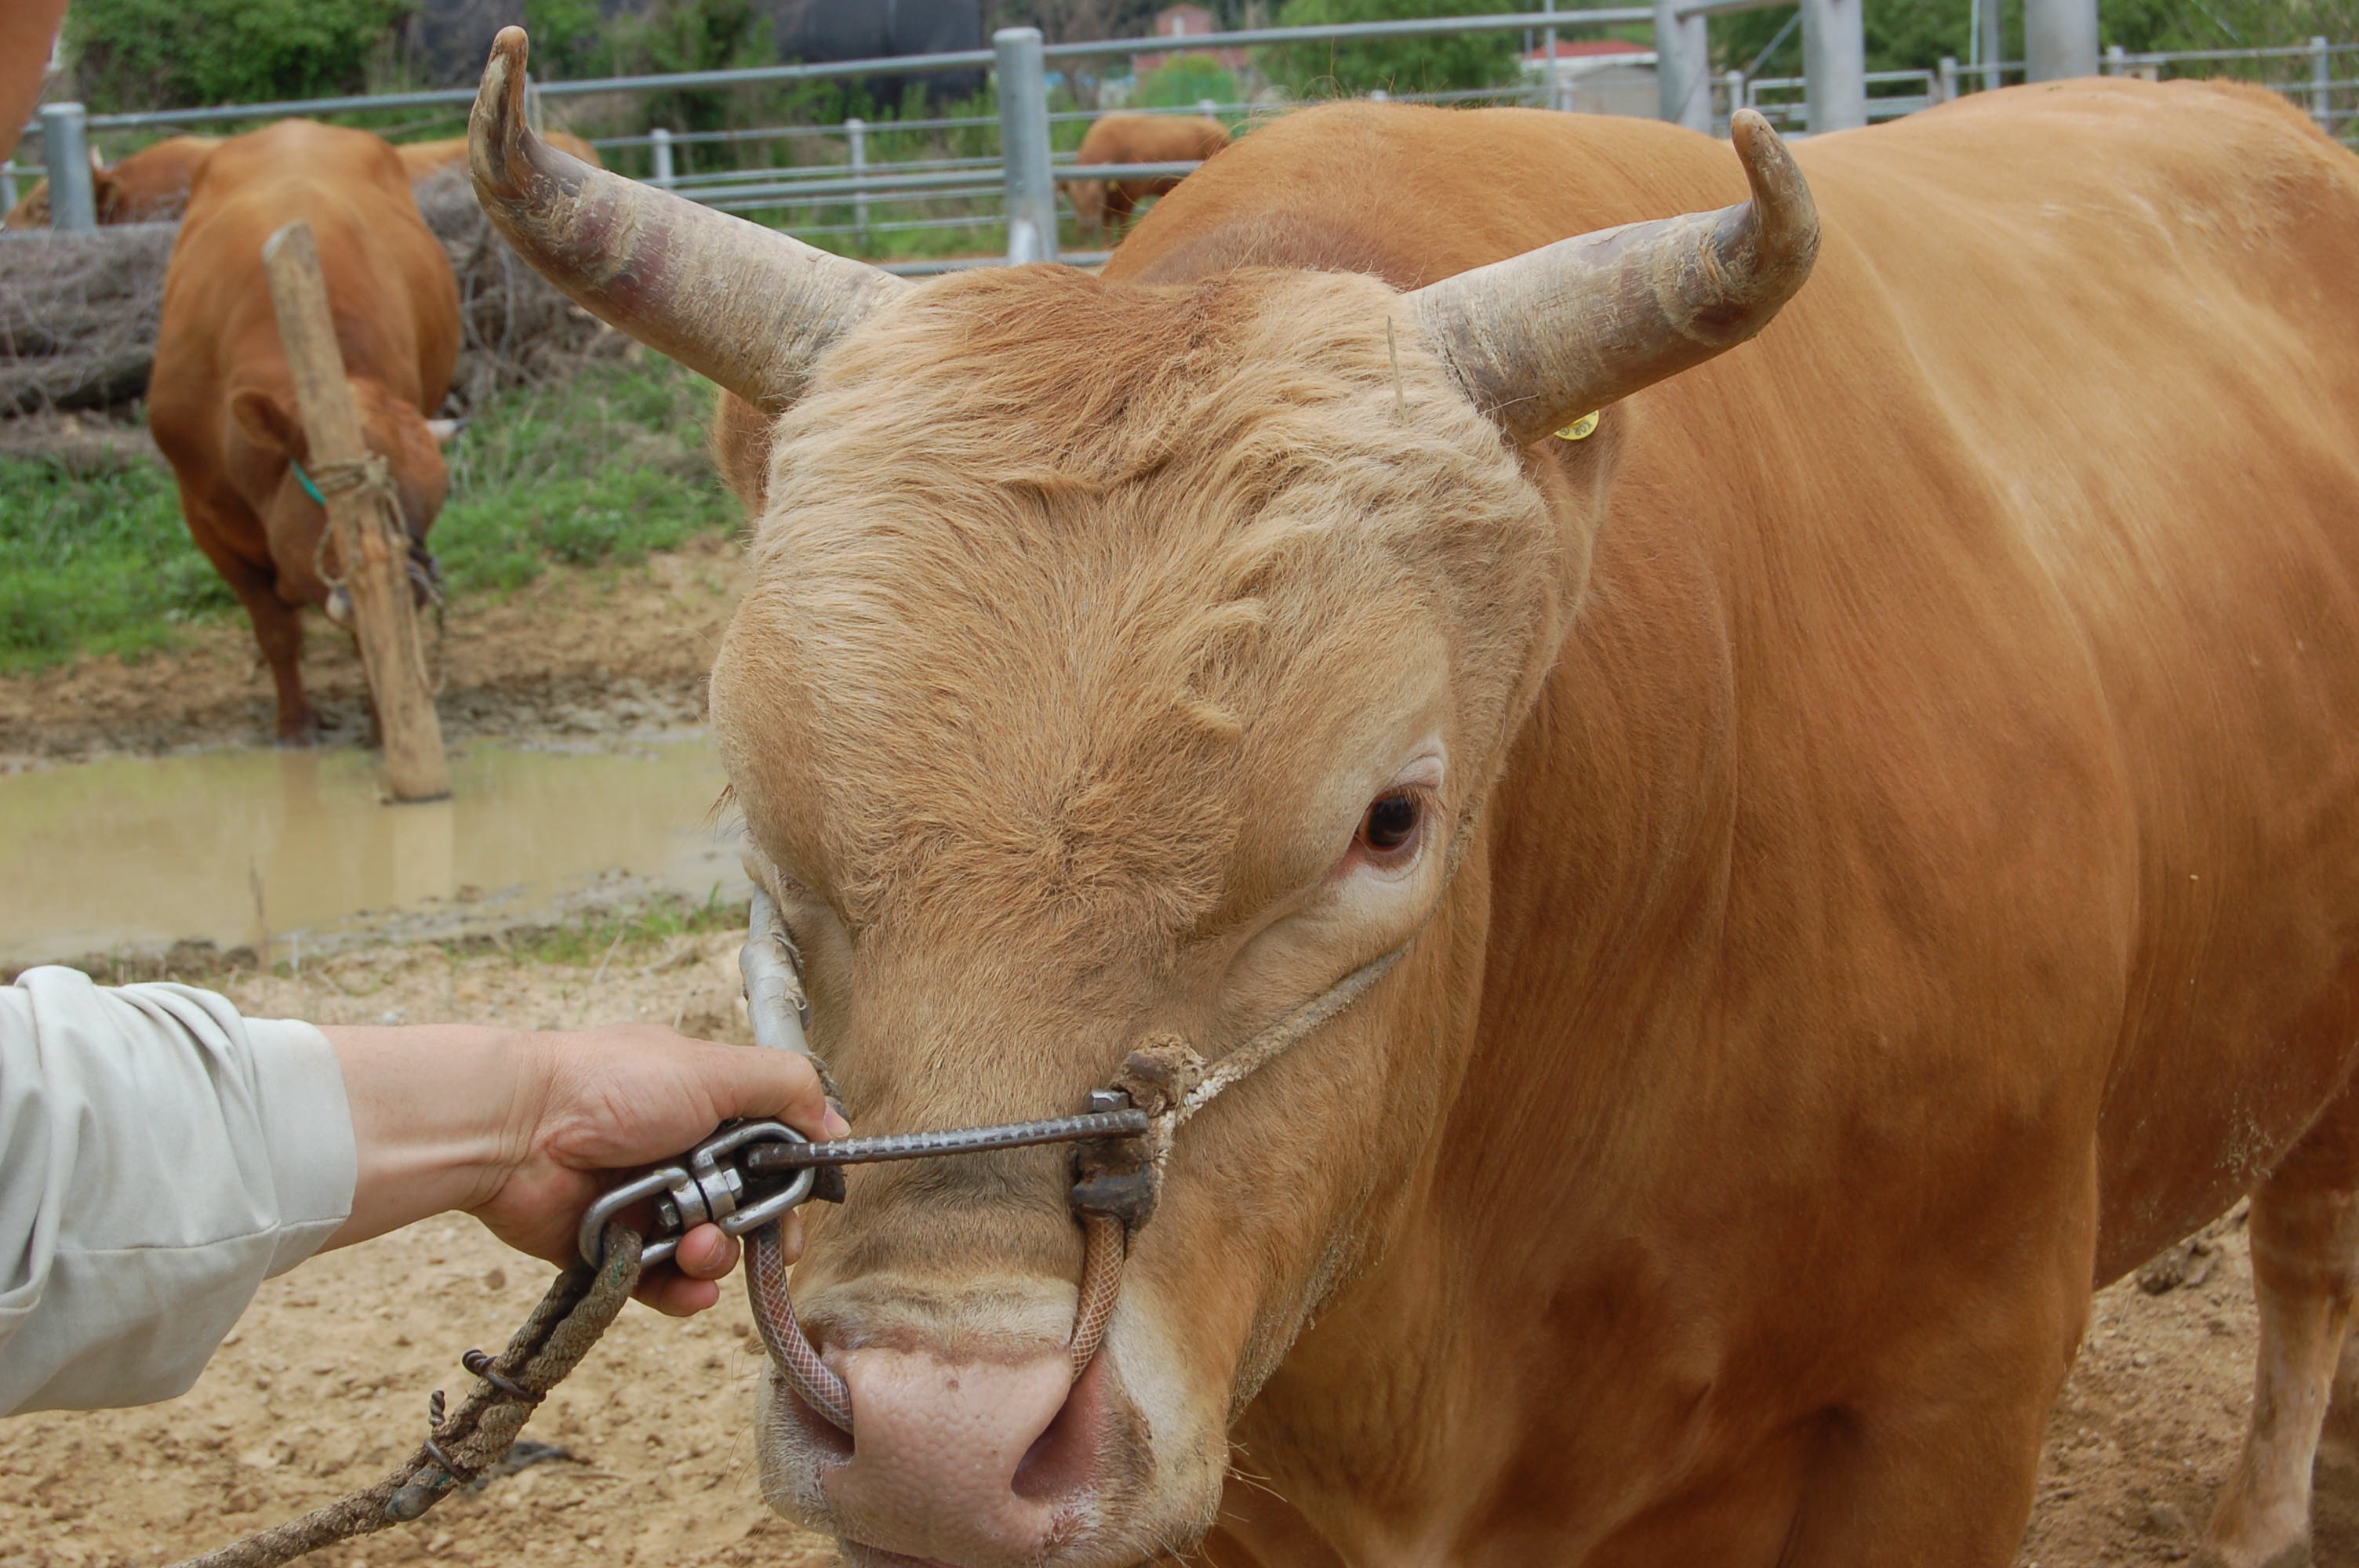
[(1064, 583)]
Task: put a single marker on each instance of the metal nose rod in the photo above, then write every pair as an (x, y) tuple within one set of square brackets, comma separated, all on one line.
[(767, 1157)]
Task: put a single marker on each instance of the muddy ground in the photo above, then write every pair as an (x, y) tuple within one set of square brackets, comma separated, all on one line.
[(578, 652), (324, 1384)]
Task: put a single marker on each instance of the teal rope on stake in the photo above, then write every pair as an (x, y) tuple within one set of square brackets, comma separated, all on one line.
[(305, 480)]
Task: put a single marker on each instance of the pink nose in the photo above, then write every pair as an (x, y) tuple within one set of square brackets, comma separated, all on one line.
[(972, 1463)]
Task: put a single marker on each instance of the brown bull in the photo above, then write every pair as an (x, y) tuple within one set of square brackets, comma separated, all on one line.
[(222, 402), (1106, 205), (426, 159), (1869, 825), (149, 186)]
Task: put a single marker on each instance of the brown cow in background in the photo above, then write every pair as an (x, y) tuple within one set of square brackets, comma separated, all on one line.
[(426, 159), (222, 400), (1105, 206), (149, 186), (153, 183)]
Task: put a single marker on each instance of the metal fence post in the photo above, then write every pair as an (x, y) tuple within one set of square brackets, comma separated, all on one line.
[(2059, 39), (1949, 78), (2321, 86), (1994, 51), (65, 148), (855, 131), (1835, 64), (8, 197), (1682, 67), (1379, 95), (1735, 80), (660, 147), (1548, 72), (1024, 145)]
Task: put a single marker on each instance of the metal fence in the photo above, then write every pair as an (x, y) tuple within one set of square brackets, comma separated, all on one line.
[(1007, 200)]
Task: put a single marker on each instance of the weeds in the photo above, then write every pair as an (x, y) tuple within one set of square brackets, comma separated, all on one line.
[(98, 564), (601, 470), (596, 937)]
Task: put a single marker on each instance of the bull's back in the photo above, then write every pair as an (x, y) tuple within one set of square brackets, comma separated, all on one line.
[(393, 295), (2012, 573), (2135, 302)]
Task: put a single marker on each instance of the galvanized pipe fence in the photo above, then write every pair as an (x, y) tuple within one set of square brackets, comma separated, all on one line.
[(1021, 179)]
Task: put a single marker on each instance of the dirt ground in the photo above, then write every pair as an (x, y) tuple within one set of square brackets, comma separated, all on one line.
[(325, 1382), (577, 652)]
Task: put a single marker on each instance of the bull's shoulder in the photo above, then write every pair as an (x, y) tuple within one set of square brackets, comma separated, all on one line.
[(1412, 194)]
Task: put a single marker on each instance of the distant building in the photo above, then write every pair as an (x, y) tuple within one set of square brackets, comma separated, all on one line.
[(1180, 21), (1599, 76)]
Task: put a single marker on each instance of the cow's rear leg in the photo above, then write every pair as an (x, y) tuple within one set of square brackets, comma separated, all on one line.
[(2305, 1229)]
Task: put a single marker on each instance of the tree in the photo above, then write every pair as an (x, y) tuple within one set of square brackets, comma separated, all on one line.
[(1913, 35), (146, 54)]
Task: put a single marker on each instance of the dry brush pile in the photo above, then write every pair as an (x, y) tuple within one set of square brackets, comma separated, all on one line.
[(79, 312)]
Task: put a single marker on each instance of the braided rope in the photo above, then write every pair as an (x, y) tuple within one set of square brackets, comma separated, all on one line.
[(370, 475), (461, 1446)]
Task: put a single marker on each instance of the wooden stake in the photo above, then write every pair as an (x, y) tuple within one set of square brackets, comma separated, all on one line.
[(370, 542)]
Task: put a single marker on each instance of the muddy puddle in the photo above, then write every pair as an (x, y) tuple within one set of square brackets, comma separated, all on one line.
[(294, 847)]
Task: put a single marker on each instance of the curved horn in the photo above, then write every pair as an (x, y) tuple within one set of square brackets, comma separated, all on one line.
[(744, 305), (1540, 339)]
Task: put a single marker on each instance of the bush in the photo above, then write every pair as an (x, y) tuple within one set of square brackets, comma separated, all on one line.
[(146, 54), (1437, 64), (1186, 82)]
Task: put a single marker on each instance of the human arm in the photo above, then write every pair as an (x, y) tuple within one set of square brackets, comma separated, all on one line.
[(545, 1116), (160, 1155)]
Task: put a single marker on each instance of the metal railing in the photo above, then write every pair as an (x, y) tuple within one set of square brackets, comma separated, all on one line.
[(885, 196)]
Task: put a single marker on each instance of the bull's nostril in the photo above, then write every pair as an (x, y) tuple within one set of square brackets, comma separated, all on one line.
[(1062, 1461), (823, 1435)]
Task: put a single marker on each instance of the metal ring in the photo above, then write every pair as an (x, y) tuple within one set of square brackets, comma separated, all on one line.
[(590, 1237), (665, 1180), (762, 1211)]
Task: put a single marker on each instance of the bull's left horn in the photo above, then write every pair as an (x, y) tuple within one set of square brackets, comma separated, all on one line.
[(1540, 339), (744, 305)]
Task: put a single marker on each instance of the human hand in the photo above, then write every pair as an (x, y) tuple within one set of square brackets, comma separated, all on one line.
[(523, 1130)]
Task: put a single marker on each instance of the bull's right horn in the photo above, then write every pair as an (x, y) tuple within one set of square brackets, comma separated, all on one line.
[(745, 306), (1541, 339)]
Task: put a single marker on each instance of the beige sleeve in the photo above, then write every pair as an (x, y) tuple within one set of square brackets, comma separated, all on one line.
[(160, 1156)]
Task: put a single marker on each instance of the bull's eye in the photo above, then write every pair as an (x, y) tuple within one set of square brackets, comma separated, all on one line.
[(1391, 823)]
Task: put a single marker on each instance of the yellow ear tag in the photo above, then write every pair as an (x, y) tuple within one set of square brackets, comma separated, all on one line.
[(1580, 430)]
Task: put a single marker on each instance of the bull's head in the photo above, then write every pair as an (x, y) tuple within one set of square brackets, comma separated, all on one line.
[(1089, 203), (1124, 661)]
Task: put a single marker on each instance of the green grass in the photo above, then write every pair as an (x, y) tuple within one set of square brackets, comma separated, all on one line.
[(594, 936), (101, 564), (597, 471)]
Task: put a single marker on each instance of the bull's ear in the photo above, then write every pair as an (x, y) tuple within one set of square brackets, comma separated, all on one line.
[(1540, 339), (267, 423)]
